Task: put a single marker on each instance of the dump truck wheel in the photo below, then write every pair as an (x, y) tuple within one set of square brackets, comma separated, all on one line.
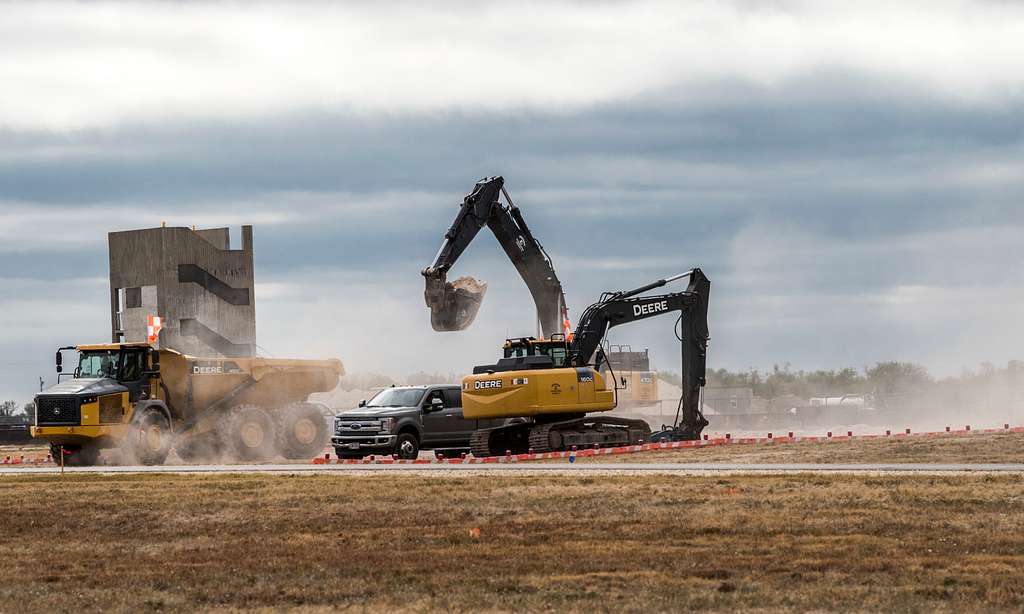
[(248, 434), (75, 456), (150, 440), (301, 431)]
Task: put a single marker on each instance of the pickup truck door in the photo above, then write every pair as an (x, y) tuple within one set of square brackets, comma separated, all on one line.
[(446, 426), (463, 428)]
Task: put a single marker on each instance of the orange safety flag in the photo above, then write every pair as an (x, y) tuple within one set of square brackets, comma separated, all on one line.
[(153, 326), (566, 325)]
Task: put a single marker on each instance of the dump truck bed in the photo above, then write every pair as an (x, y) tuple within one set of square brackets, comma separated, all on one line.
[(197, 384)]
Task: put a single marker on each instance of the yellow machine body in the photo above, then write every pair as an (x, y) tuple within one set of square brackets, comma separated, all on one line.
[(641, 386), (533, 392), (193, 385)]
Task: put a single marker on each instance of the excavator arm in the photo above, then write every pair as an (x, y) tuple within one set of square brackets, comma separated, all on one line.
[(618, 308), (454, 305)]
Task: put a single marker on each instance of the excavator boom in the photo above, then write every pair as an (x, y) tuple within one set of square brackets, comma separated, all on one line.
[(618, 308), (454, 305)]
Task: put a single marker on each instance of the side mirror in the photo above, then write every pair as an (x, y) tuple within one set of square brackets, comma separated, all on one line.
[(60, 362), (154, 359), (362, 403), (436, 403)]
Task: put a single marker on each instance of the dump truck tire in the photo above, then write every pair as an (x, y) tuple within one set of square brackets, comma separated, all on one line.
[(247, 433), (150, 440), (75, 456), (301, 431)]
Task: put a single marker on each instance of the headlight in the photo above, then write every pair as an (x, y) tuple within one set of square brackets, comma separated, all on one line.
[(386, 424)]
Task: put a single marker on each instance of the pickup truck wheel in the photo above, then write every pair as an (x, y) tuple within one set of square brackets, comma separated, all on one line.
[(150, 440), (406, 446), (247, 433), (75, 456), (301, 431)]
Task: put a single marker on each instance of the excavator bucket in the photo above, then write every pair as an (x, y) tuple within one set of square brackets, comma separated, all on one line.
[(453, 305)]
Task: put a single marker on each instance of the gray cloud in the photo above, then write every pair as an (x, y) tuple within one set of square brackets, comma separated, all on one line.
[(844, 214)]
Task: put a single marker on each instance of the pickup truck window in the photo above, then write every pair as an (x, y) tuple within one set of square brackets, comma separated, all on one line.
[(396, 397), (452, 397)]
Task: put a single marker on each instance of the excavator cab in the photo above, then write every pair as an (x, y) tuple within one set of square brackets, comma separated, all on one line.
[(557, 348)]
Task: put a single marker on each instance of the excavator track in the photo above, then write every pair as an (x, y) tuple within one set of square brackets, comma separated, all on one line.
[(497, 441), (540, 437), (479, 443), (586, 432)]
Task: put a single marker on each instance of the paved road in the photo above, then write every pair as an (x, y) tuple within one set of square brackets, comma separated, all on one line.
[(557, 468)]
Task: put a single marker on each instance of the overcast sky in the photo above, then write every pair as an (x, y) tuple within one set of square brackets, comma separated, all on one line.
[(849, 175)]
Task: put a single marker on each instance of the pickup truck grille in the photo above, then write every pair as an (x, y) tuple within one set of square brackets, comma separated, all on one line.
[(356, 427), (57, 411)]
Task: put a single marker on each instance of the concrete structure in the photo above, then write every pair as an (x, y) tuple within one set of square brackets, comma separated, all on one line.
[(193, 280), (728, 400)]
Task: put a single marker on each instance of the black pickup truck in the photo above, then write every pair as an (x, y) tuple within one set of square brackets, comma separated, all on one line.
[(403, 420)]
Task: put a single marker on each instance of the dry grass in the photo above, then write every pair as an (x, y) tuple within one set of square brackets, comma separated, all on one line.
[(999, 448), (320, 542)]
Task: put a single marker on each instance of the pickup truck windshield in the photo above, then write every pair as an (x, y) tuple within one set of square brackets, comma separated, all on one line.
[(397, 397)]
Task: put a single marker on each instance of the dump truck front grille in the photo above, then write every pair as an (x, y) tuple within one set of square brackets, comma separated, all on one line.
[(51, 411)]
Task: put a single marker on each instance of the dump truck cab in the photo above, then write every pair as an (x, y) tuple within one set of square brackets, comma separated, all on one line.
[(114, 389)]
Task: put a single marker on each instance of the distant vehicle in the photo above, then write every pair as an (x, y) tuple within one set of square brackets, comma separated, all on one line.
[(14, 429), (847, 400), (403, 420)]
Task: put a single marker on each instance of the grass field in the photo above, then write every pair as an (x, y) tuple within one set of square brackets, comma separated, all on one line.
[(980, 448), (320, 542)]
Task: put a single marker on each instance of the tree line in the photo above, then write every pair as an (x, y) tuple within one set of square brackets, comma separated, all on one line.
[(882, 379)]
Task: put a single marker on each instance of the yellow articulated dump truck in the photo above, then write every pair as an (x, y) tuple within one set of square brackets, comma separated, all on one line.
[(145, 401)]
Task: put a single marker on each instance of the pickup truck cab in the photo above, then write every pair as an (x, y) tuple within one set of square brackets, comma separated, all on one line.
[(403, 420)]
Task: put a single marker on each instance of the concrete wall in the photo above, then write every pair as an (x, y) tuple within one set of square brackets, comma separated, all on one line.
[(193, 280), (729, 399)]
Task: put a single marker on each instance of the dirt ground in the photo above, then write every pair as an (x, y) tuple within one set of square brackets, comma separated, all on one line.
[(976, 448), (632, 543), (998, 448)]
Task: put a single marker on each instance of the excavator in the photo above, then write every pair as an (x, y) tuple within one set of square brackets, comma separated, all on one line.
[(540, 394), (454, 305)]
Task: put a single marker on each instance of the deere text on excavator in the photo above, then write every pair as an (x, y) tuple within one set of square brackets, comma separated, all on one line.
[(545, 388)]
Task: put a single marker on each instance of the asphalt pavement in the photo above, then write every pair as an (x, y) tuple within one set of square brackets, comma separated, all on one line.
[(547, 468)]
